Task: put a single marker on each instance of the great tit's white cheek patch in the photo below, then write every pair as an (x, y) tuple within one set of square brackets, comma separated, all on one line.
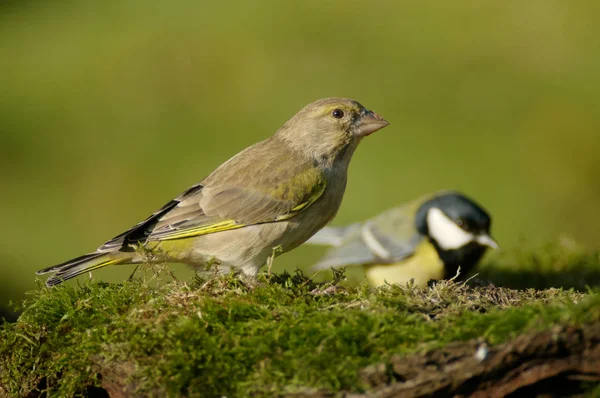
[(445, 232)]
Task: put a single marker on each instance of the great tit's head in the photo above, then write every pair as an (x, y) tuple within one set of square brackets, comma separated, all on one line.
[(454, 221)]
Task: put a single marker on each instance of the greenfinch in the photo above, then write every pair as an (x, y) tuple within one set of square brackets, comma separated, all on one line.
[(266, 200), (427, 239)]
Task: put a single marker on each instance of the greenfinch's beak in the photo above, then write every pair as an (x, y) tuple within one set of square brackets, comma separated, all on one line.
[(486, 240), (370, 123)]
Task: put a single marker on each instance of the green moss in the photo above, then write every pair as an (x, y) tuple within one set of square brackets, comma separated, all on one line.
[(224, 337), (557, 263)]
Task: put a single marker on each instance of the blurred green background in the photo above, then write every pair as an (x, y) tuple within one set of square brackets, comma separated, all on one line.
[(109, 109)]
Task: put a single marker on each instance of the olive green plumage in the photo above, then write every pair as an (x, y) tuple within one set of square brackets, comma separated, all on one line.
[(276, 193), (428, 238)]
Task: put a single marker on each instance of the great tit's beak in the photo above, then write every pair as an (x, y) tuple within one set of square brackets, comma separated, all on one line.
[(486, 240), (369, 123)]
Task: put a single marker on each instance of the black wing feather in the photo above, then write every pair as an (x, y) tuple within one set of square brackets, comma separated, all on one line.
[(140, 232)]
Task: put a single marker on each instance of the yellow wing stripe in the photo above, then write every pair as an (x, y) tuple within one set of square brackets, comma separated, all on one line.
[(103, 264), (204, 230), (320, 188), (228, 225)]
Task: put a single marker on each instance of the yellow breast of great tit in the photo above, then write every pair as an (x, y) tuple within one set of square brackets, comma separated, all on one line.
[(423, 265)]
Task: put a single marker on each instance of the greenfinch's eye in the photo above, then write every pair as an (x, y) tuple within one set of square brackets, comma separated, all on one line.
[(337, 113)]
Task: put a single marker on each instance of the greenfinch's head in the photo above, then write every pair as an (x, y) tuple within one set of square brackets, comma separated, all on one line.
[(328, 126)]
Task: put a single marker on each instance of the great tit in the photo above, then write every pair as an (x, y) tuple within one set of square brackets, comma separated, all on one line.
[(427, 239)]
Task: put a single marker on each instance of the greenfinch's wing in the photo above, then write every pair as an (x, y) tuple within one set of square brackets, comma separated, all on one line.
[(140, 232), (194, 214), (235, 195), (233, 202)]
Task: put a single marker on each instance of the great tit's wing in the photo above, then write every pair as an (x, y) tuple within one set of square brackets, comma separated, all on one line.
[(388, 247), (350, 254), (369, 247), (392, 235), (389, 237), (335, 236)]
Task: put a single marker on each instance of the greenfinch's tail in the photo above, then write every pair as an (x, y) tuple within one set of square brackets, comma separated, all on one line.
[(81, 265)]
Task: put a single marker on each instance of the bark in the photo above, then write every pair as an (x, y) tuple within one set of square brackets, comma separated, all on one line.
[(555, 362)]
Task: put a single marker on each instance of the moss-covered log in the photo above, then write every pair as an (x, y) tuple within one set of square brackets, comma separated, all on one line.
[(286, 335)]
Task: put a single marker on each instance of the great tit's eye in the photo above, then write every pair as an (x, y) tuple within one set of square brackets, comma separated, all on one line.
[(337, 113), (460, 223)]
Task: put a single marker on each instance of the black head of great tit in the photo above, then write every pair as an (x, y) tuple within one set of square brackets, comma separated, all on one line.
[(458, 228), (429, 238)]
